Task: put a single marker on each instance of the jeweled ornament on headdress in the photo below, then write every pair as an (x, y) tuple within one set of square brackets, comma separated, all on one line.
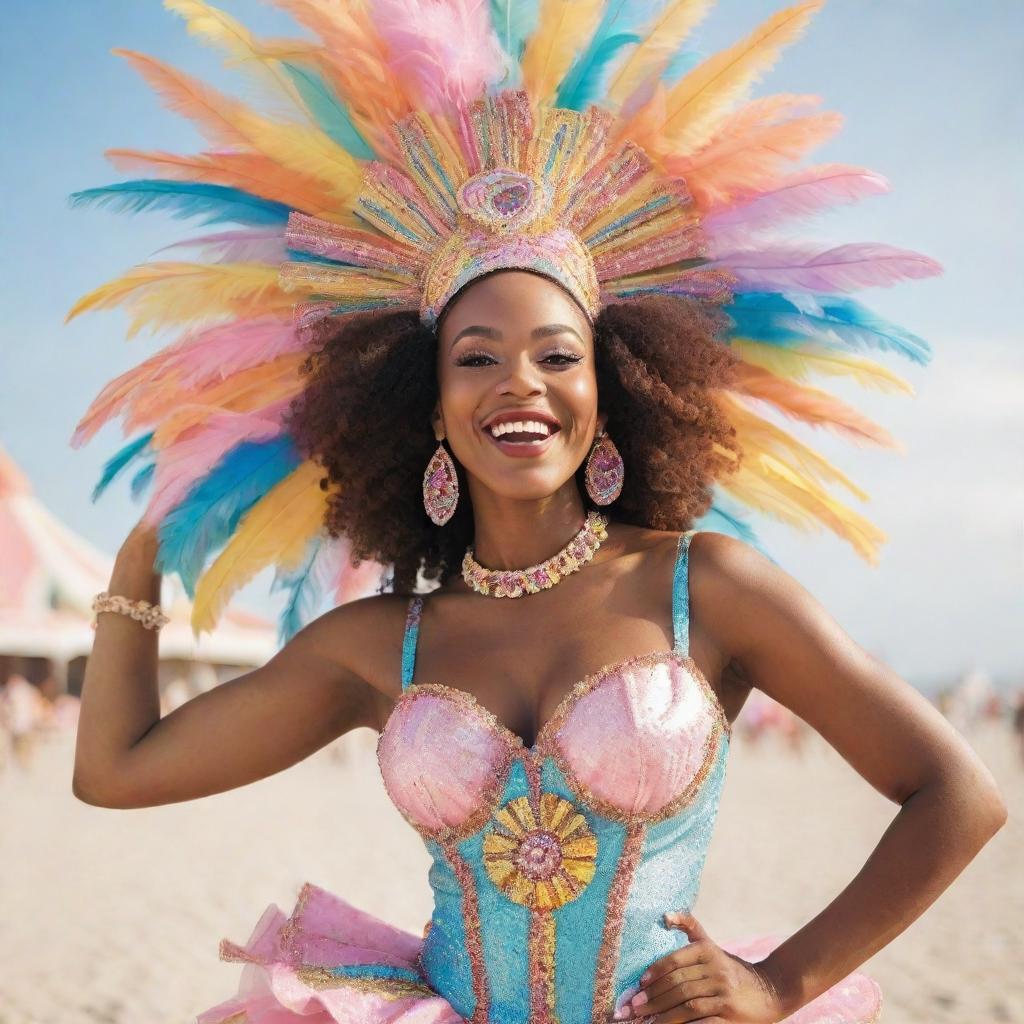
[(433, 141)]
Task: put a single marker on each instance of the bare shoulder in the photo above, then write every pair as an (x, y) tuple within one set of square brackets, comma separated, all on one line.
[(363, 637)]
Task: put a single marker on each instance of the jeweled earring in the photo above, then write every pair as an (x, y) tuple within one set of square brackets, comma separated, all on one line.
[(440, 487), (605, 470)]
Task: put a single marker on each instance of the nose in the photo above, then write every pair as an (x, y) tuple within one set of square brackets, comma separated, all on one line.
[(523, 378)]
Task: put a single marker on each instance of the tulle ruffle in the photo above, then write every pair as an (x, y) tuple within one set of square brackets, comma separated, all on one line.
[(331, 963)]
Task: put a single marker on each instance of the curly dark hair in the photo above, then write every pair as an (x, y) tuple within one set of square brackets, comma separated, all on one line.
[(365, 410)]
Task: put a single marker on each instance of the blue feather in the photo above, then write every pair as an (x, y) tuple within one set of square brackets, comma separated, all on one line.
[(786, 320), (215, 204), (330, 113), (584, 84), (305, 596), (681, 62), (115, 465), (514, 21), (210, 512), (142, 480)]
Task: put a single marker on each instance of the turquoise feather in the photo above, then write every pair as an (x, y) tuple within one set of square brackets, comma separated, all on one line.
[(584, 84), (141, 481), (514, 21), (305, 594), (329, 112), (772, 317), (119, 462), (212, 510), (215, 204)]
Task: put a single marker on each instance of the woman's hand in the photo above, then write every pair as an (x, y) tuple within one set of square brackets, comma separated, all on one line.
[(702, 982)]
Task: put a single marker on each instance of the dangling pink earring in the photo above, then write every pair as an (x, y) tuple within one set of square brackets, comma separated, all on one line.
[(440, 487), (605, 471)]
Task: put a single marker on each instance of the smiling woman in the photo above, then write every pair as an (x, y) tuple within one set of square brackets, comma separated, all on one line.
[(651, 368)]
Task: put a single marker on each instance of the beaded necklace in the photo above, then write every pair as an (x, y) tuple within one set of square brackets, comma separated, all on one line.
[(543, 575)]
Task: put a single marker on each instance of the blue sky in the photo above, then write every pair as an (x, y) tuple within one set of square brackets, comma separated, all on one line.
[(931, 96)]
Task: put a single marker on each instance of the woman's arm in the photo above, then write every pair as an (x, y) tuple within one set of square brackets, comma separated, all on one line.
[(260, 723), (794, 651)]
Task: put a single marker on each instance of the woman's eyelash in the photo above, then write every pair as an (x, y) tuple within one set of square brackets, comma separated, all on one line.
[(570, 358)]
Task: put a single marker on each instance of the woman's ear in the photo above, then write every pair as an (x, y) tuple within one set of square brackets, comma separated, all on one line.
[(602, 420)]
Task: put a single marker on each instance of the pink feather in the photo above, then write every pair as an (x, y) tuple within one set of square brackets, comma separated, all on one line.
[(840, 269), (195, 358), (806, 192), (354, 582), (195, 453), (262, 245), (444, 52)]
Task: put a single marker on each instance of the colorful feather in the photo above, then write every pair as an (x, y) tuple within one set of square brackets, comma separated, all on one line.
[(799, 363), (813, 406), (801, 194), (208, 516), (215, 204), (697, 105), (788, 319), (563, 26), (662, 42), (513, 22), (195, 453), (116, 465), (801, 267), (274, 531), (266, 246), (246, 172), (166, 294)]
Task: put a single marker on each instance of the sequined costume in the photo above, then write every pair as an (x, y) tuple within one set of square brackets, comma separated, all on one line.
[(552, 863)]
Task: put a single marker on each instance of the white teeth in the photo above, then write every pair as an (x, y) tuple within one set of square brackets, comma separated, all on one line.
[(531, 426)]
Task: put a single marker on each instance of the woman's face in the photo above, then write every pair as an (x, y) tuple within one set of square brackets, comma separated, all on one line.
[(515, 347)]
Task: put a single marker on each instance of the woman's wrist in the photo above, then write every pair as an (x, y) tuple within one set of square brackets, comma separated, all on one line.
[(787, 988)]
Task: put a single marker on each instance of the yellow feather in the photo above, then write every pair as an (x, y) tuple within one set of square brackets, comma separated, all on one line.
[(275, 531), (768, 484), (661, 40), (162, 294), (564, 27), (702, 99), (799, 363), (756, 435), (228, 122), (218, 29)]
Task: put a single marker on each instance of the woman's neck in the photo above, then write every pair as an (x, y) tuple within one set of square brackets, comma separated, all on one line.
[(515, 534)]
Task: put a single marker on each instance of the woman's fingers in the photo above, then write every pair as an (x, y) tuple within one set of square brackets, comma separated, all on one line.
[(667, 982), (690, 995)]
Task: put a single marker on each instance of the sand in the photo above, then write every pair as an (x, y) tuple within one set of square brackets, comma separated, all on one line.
[(115, 916)]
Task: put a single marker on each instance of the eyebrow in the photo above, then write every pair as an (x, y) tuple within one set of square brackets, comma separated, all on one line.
[(495, 335)]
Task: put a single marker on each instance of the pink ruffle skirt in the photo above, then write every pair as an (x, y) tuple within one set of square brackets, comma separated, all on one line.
[(331, 963)]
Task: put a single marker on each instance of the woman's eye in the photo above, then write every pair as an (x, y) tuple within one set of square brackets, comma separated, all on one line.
[(471, 360), (569, 359)]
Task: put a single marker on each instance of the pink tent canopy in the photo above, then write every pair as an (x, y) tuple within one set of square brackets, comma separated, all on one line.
[(48, 576)]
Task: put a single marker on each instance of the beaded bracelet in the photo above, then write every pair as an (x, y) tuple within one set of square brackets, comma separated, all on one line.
[(150, 615)]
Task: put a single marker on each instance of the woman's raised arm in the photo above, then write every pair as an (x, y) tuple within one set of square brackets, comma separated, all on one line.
[(793, 650), (126, 755)]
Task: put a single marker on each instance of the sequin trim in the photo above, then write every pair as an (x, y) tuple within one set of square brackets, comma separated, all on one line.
[(471, 925), (321, 978), (542, 941), (611, 939)]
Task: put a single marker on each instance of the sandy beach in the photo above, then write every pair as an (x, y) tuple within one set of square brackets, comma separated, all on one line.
[(114, 917)]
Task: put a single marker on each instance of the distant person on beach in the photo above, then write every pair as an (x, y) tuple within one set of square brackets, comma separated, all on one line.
[(23, 710)]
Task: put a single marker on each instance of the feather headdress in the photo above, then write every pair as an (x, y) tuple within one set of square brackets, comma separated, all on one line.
[(431, 141)]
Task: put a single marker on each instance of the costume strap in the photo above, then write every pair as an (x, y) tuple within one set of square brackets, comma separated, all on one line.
[(412, 633), (681, 595)]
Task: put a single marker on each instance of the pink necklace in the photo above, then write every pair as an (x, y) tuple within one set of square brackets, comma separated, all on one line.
[(544, 575)]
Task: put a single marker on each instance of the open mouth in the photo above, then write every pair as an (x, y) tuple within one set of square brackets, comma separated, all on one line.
[(531, 437)]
